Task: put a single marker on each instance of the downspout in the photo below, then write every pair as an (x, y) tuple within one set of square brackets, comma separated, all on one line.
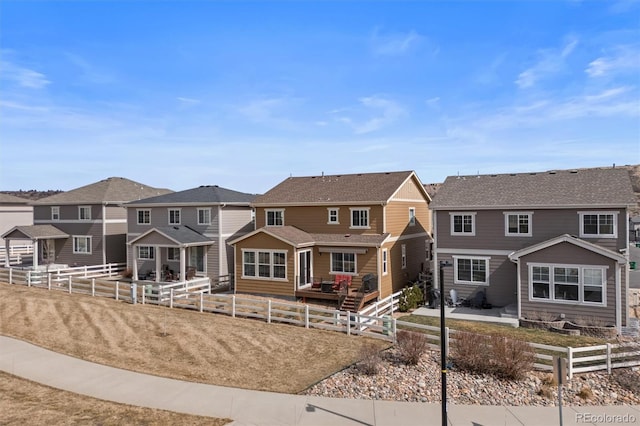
[(618, 298), (221, 246), (104, 233), (434, 231), (7, 248)]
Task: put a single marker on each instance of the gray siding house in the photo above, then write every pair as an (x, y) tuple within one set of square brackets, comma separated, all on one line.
[(551, 242), (83, 226), (186, 232)]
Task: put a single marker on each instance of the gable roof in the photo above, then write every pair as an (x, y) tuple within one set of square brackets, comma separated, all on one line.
[(566, 238), (360, 188), (205, 194), (113, 190), (298, 238), (12, 199), (584, 188), (35, 232), (180, 235)]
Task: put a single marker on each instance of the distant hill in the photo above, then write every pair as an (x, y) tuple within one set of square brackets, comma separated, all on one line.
[(634, 174), (32, 194)]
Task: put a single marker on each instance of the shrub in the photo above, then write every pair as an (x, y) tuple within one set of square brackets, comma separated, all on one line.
[(585, 393), (411, 346), (410, 298), (470, 351), (545, 392), (127, 273), (370, 359)]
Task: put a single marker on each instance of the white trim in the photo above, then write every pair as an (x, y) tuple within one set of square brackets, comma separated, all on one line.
[(329, 210), (619, 298), (198, 210), (152, 256), (89, 244), (257, 264), (266, 217), (580, 284), (172, 209), (385, 261), (138, 211), (353, 209), (408, 237), (55, 209), (80, 209), (57, 222), (487, 265), (355, 263), (473, 252), (463, 234), (115, 221), (412, 218), (599, 213), (518, 234)]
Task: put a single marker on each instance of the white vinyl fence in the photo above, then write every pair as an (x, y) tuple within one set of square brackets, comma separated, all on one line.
[(17, 253)]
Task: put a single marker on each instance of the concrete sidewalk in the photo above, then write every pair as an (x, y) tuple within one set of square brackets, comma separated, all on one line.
[(247, 407)]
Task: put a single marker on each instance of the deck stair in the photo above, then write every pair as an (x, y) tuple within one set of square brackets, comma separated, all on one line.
[(352, 302)]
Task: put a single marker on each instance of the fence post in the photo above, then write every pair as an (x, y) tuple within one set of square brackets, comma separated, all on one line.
[(93, 287), (171, 298), (85, 271), (49, 281), (233, 306), (144, 294), (28, 278), (394, 329), (306, 316), (570, 362), (201, 302), (269, 311), (69, 279), (117, 290), (348, 323), (134, 293), (10, 275), (609, 358)]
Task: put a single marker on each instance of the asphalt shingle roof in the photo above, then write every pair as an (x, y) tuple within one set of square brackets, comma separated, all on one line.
[(206, 194), (563, 188), (113, 190), (298, 237), (12, 199), (183, 234), (38, 232), (335, 189)]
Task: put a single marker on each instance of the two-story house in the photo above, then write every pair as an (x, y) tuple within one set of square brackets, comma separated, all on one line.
[(14, 211), (184, 231), (310, 230), (83, 226), (551, 242)]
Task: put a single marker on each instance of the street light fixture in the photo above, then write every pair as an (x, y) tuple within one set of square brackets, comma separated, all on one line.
[(443, 346)]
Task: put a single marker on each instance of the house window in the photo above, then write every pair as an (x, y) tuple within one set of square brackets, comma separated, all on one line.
[(471, 270), (81, 245), (412, 216), (275, 217), (463, 224), (343, 263), (598, 225), (333, 216), (264, 264), (146, 253), (360, 218), (517, 224), (385, 254), (84, 212), (174, 216), (204, 216), (55, 213), (173, 253), (566, 283), (404, 256), (144, 217)]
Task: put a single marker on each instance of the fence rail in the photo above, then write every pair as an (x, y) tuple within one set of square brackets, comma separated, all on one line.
[(195, 295), (17, 253)]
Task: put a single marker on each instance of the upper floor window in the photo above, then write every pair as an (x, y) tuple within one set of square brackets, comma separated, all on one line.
[(81, 245), (55, 213), (343, 263), (333, 216), (275, 217), (360, 218), (174, 216), (517, 224), (412, 216), (84, 212), (204, 216), (463, 224), (471, 270), (144, 217), (598, 224)]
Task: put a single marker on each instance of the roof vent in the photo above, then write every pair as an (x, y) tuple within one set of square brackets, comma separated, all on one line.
[(552, 172), (573, 171)]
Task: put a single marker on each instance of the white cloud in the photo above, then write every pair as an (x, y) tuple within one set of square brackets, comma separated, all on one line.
[(550, 61), (273, 112), (394, 44), (24, 77), (386, 112), (188, 101), (88, 71), (622, 59)]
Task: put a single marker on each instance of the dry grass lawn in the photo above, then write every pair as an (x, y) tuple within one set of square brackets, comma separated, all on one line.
[(176, 343), (23, 402)]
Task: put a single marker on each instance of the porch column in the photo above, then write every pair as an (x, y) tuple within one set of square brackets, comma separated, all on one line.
[(183, 264), (36, 253), (134, 255), (158, 263), (7, 246)]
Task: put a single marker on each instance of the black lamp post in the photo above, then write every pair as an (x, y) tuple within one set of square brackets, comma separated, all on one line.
[(443, 346)]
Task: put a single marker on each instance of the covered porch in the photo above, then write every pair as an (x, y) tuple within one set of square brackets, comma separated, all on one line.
[(42, 237)]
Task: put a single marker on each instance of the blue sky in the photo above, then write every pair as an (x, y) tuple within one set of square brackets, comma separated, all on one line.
[(245, 94)]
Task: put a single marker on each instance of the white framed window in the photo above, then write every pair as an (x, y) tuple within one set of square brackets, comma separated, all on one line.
[(598, 224), (55, 213), (463, 223), (359, 218), (81, 244), (403, 249), (274, 217), (385, 257), (174, 216), (173, 253), (265, 264), (204, 216), (84, 212), (343, 263), (471, 270), (146, 252), (574, 284), (333, 218), (144, 216), (518, 224), (412, 216)]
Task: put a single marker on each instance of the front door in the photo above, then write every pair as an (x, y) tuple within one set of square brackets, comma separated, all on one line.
[(196, 258), (304, 263), (48, 251)]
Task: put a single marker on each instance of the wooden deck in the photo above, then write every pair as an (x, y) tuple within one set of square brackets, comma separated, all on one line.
[(318, 294)]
